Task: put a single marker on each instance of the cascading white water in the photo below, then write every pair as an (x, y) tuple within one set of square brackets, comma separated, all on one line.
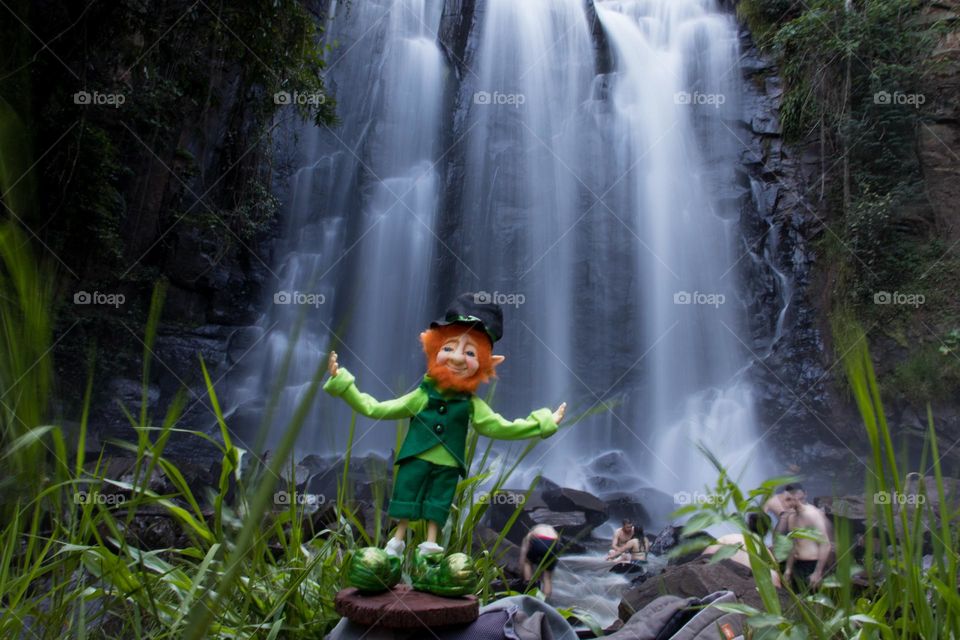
[(589, 204), (675, 85), (374, 181), (530, 74)]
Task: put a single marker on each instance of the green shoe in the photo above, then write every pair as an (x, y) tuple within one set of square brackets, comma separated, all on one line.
[(372, 570), (452, 576)]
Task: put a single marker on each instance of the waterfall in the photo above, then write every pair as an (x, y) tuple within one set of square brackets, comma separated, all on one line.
[(588, 194), (359, 236), (673, 90)]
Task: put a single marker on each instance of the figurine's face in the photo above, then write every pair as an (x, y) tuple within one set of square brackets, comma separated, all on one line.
[(459, 356)]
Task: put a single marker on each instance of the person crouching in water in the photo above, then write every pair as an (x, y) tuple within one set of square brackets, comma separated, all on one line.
[(539, 550), (628, 544)]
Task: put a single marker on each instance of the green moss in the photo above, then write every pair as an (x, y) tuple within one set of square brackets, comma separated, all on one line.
[(200, 85), (839, 67), (927, 375)]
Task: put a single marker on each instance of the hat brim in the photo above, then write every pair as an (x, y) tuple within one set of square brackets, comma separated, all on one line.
[(469, 321)]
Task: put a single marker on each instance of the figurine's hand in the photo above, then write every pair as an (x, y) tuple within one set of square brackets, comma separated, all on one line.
[(558, 414), (332, 367)]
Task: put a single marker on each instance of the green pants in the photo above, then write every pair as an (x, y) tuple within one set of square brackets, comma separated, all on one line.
[(423, 491)]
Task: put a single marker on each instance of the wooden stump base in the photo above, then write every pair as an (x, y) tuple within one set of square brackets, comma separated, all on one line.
[(404, 608)]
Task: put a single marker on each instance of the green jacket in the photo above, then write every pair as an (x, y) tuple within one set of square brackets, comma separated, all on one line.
[(439, 417)]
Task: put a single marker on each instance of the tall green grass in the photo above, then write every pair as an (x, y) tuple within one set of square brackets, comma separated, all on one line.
[(71, 563)]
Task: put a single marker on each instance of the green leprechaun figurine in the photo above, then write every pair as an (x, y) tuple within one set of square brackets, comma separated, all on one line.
[(459, 351)]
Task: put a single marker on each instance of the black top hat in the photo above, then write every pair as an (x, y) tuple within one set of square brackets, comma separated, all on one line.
[(475, 309)]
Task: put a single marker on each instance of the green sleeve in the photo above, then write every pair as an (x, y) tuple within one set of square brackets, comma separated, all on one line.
[(342, 385), (489, 423)]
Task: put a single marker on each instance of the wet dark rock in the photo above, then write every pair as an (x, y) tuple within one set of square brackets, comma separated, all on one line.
[(456, 23), (612, 464), (695, 580), (669, 538), (851, 510), (602, 52), (297, 476), (779, 224), (566, 500), (605, 486), (507, 554), (646, 507), (241, 341), (573, 513), (366, 476)]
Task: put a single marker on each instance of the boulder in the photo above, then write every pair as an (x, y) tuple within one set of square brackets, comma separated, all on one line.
[(695, 580), (241, 341), (626, 506), (646, 506), (363, 478), (563, 499), (612, 464), (851, 509), (503, 503), (669, 538)]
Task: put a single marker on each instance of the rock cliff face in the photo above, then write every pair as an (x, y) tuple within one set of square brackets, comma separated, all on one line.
[(812, 423), (194, 207), (780, 221), (939, 138)]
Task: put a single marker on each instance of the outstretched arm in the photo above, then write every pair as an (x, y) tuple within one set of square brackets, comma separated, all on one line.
[(342, 384), (487, 422)]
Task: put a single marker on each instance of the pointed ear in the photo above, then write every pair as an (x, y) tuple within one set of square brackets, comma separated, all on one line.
[(495, 360), (423, 337)]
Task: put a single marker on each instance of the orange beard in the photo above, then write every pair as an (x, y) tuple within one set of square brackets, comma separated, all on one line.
[(433, 339)]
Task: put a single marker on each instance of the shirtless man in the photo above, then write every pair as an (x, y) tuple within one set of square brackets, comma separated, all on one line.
[(808, 558), (775, 507), (627, 543)]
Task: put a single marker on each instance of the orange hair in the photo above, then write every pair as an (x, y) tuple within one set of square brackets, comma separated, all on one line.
[(433, 339)]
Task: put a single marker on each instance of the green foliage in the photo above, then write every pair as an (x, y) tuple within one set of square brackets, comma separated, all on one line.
[(854, 77), (927, 374), (764, 16), (205, 76), (25, 330)]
